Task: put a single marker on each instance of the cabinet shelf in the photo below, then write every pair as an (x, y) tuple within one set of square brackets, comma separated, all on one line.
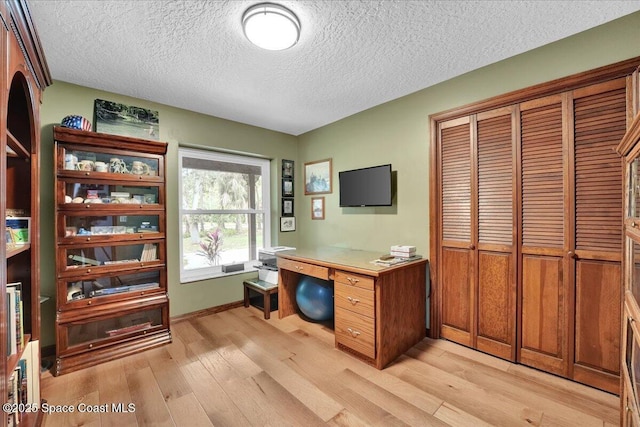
[(13, 359), (109, 177), (15, 148), (17, 249)]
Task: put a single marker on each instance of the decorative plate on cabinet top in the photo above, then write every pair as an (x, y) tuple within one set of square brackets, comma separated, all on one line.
[(76, 122)]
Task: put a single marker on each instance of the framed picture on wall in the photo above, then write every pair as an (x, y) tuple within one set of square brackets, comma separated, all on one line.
[(287, 168), (287, 187), (317, 208), (288, 223), (121, 119), (317, 177), (287, 207)]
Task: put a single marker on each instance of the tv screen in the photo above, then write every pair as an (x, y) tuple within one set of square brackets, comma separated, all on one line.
[(366, 186)]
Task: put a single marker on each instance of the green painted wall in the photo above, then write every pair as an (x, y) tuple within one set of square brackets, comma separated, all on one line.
[(396, 132), (176, 127)]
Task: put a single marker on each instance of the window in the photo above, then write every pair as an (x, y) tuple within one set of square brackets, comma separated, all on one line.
[(224, 211)]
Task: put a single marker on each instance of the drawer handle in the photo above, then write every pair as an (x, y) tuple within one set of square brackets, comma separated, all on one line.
[(352, 280), (353, 333), (353, 301), (297, 267)]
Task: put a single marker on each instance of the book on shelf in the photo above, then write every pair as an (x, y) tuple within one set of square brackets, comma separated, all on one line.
[(149, 252), (14, 318), (12, 400), (120, 289), (20, 390)]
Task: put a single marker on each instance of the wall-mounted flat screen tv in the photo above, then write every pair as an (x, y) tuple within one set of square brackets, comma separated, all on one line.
[(366, 187)]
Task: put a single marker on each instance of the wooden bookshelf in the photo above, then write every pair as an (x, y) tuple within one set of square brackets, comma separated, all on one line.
[(111, 268), (24, 77)]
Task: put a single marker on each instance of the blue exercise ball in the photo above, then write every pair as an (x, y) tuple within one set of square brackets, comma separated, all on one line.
[(315, 298)]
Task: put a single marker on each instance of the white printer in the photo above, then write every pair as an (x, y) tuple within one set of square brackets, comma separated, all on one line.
[(268, 268)]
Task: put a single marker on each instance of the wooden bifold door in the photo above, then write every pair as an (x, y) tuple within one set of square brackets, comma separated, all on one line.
[(529, 231)]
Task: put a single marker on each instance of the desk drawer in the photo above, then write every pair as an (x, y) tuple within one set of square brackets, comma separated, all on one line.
[(355, 299), (352, 279), (304, 268), (355, 331)]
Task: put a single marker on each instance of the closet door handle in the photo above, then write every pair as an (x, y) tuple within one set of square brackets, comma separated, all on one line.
[(472, 247), (572, 254)]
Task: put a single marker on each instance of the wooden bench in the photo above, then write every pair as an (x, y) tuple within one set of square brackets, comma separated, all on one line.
[(265, 289)]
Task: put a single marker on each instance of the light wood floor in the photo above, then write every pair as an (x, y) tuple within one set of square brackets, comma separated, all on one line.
[(235, 368)]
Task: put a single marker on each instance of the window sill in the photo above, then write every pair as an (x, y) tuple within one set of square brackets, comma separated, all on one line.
[(207, 274)]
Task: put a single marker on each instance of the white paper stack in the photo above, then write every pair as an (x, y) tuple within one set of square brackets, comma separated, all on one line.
[(403, 251)]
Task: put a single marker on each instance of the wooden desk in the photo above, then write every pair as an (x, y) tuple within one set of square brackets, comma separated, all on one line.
[(379, 311)]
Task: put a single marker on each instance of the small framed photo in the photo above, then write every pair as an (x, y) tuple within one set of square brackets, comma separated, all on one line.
[(20, 229), (288, 223), (287, 168), (317, 208), (317, 177), (287, 187), (287, 207)]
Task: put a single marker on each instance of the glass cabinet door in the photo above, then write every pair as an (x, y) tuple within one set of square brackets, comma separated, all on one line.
[(633, 210), (86, 334), (76, 193), (90, 226), (103, 162), (92, 290), (632, 373), (109, 255)]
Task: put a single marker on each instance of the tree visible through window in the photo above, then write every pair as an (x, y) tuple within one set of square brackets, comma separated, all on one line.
[(224, 211)]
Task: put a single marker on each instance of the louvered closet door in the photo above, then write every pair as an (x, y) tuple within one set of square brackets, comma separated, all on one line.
[(544, 280), (457, 255), (599, 125), (496, 280)]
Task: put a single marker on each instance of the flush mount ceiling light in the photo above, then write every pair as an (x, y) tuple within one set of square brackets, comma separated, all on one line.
[(271, 26)]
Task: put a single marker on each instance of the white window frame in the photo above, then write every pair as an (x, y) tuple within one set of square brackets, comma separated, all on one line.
[(265, 165)]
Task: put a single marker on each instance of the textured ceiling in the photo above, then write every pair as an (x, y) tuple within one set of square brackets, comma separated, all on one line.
[(352, 55)]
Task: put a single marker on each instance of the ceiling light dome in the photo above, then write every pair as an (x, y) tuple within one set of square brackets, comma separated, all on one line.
[(271, 26)]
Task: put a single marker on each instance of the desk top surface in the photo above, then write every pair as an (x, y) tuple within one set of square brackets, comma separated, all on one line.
[(332, 256)]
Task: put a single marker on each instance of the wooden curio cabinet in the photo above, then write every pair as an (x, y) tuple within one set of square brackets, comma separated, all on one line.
[(23, 77), (110, 247), (630, 363)]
